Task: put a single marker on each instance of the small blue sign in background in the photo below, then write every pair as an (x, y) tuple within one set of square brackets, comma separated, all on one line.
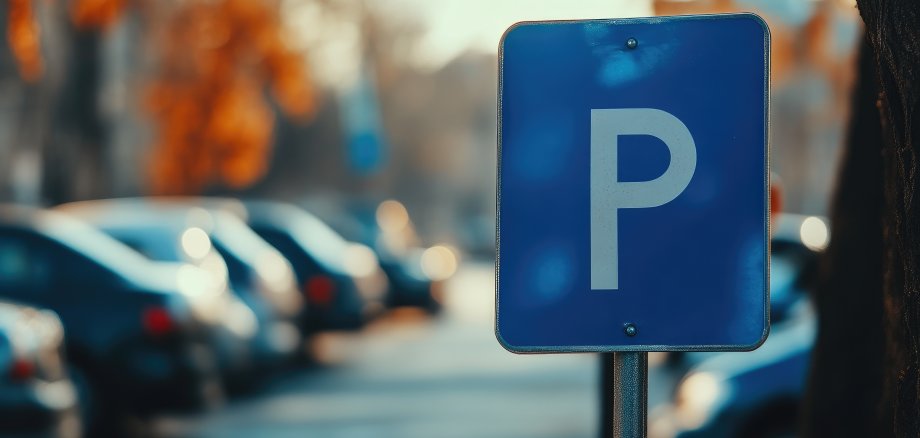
[(693, 271)]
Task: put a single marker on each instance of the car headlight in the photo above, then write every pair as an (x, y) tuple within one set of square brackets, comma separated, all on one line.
[(359, 260), (698, 396), (363, 266), (275, 280), (202, 292), (438, 262)]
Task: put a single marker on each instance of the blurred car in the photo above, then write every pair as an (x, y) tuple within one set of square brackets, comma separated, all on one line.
[(341, 280), (757, 394), (37, 397), (416, 274), (133, 326), (176, 229), (232, 325)]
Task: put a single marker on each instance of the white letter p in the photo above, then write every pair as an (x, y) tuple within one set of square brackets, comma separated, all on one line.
[(608, 195)]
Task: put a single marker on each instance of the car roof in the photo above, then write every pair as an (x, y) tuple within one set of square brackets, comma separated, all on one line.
[(77, 235), (214, 215), (324, 244), (176, 213)]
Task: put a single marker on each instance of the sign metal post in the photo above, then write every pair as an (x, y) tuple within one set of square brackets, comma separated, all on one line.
[(624, 394), (629, 394)]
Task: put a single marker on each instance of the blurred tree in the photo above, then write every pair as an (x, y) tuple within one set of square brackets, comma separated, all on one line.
[(865, 377), (207, 99), (206, 95), (97, 13), (23, 36), (29, 84), (75, 156), (206, 92)]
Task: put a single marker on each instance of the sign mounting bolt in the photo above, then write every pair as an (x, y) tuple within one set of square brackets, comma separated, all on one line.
[(630, 329), (632, 43)]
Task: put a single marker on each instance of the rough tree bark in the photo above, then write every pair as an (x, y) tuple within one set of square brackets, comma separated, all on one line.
[(870, 385), (893, 29)]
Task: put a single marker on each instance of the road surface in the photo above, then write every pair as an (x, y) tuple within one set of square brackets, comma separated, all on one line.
[(411, 376)]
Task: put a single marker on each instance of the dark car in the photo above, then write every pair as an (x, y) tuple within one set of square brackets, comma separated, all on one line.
[(37, 397), (416, 273), (176, 229), (756, 394), (341, 280), (232, 325), (132, 328)]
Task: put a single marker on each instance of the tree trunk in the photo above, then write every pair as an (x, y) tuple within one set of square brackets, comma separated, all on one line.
[(75, 167), (844, 389), (893, 29), (865, 377)]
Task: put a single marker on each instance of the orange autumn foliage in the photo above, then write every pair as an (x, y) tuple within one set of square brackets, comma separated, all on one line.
[(22, 32), (214, 62), (96, 13), (207, 100)]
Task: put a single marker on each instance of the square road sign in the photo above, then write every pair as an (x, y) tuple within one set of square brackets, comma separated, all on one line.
[(633, 189)]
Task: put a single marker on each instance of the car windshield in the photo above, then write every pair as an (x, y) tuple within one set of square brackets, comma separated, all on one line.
[(100, 247), (325, 245), (239, 239), (156, 243)]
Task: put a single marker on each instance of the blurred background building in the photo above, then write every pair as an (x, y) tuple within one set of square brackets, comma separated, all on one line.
[(353, 99)]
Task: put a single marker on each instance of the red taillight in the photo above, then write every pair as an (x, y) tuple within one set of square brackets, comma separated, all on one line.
[(22, 369), (157, 321), (320, 290)]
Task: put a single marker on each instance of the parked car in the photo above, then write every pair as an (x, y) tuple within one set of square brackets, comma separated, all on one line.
[(753, 394), (416, 274), (176, 229), (133, 326), (757, 394), (232, 325), (341, 280), (37, 397)]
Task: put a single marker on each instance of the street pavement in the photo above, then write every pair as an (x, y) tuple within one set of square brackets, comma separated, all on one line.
[(412, 376)]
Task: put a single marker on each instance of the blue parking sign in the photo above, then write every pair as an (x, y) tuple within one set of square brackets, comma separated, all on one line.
[(633, 189)]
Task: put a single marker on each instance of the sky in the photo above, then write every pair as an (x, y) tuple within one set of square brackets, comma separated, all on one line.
[(454, 26), (451, 27)]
